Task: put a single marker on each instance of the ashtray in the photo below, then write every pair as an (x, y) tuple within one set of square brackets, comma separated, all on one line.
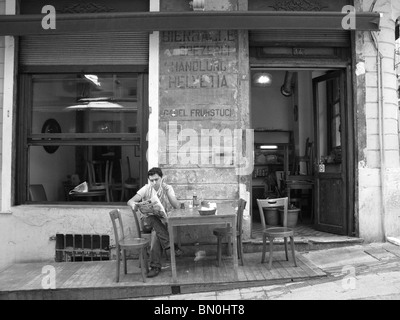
[(207, 211)]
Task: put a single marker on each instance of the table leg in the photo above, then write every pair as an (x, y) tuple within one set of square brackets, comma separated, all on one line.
[(235, 252), (172, 251)]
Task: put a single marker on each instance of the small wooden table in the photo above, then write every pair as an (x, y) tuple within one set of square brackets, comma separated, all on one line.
[(89, 194), (226, 213)]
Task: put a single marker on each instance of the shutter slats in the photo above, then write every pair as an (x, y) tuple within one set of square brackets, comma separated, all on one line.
[(325, 37), (120, 48)]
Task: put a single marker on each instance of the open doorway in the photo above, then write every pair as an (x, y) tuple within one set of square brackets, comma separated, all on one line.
[(300, 122)]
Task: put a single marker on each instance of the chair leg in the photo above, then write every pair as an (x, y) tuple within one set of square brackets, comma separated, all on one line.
[(145, 255), (286, 253), (293, 251), (228, 246), (124, 260), (240, 250), (264, 248), (118, 265), (142, 265), (122, 194), (271, 250), (219, 249)]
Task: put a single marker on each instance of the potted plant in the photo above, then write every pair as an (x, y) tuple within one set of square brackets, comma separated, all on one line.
[(292, 216)]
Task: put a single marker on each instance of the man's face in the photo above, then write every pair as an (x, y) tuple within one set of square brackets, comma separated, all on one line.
[(155, 180)]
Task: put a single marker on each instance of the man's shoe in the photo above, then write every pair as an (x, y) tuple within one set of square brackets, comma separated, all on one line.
[(153, 272), (178, 251)]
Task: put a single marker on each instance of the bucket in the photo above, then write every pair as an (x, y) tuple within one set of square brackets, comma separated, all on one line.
[(293, 215), (271, 216)]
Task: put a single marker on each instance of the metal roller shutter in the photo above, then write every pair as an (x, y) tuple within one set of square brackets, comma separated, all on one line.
[(113, 48), (321, 38)]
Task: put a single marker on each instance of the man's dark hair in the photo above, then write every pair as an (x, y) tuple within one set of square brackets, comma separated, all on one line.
[(154, 171)]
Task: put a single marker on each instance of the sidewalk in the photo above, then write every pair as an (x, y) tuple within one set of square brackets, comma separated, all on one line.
[(369, 271)]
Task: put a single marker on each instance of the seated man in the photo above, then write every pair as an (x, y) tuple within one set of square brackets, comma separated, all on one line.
[(157, 189)]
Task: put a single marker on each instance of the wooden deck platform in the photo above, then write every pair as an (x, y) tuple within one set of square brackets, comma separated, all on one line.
[(96, 280)]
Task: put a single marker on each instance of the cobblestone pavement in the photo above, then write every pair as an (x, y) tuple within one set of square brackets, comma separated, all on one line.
[(370, 271)]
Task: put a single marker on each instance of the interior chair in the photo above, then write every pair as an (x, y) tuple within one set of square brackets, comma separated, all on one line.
[(306, 158), (37, 193), (221, 233), (123, 243), (276, 232), (302, 182), (128, 183), (114, 185), (98, 175)]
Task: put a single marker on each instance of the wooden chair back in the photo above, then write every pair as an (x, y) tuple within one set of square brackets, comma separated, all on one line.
[(239, 214), (138, 224), (308, 156), (273, 203), (37, 192), (98, 173), (115, 216)]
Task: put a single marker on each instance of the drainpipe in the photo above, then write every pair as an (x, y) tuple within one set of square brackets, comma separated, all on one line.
[(379, 58), (287, 87)]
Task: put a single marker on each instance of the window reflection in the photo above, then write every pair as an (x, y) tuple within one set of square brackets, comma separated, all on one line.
[(99, 123)]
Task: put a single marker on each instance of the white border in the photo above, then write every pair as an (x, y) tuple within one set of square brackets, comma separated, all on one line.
[(8, 101), (154, 62)]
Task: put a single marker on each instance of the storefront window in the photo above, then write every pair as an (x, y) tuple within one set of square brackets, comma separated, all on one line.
[(82, 129)]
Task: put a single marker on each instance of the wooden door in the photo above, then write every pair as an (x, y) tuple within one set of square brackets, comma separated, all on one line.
[(330, 110)]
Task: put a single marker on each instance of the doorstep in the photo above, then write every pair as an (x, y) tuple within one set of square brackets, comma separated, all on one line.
[(304, 244)]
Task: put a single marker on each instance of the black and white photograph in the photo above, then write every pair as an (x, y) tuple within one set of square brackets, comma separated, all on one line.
[(200, 157)]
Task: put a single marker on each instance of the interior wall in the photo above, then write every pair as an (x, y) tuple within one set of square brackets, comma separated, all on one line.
[(60, 163), (269, 108), (305, 112)]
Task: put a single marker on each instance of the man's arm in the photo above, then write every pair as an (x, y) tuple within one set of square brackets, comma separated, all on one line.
[(132, 202), (171, 197)]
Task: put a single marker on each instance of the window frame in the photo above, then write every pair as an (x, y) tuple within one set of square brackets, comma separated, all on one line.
[(26, 139)]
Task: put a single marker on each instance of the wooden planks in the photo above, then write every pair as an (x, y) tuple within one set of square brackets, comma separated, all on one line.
[(96, 280)]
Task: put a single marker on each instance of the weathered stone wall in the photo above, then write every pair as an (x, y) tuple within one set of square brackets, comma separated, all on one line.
[(376, 213), (203, 100)]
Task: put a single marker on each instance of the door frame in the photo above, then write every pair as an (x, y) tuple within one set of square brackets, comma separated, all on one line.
[(349, 121)]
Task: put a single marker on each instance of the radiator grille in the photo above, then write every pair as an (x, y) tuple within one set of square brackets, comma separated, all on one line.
[(82, 247)]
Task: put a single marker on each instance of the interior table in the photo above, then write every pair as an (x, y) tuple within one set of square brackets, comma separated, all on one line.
[(225, 214)]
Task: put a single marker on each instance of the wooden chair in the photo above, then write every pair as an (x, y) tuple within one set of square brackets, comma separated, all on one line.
[(302, 182), (275, 232), (128, 183), (306, 158), (98, 176), (123, 243), (37, 193), (221, 233)]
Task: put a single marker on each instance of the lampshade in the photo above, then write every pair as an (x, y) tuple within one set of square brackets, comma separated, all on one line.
[(262, 79)]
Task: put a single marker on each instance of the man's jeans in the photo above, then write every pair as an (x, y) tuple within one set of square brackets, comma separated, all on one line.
[(159, 242)]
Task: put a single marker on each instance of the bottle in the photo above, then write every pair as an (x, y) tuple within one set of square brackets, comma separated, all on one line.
[(321, 166), (195, 201)]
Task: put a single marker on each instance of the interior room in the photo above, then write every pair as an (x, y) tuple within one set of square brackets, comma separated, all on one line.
[(90, 116), (282, 116)]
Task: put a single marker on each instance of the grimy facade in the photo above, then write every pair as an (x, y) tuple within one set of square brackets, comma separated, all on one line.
[(176, 90)]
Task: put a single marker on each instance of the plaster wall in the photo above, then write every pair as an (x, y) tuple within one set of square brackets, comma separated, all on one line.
[(378, 194), (26, 235)]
